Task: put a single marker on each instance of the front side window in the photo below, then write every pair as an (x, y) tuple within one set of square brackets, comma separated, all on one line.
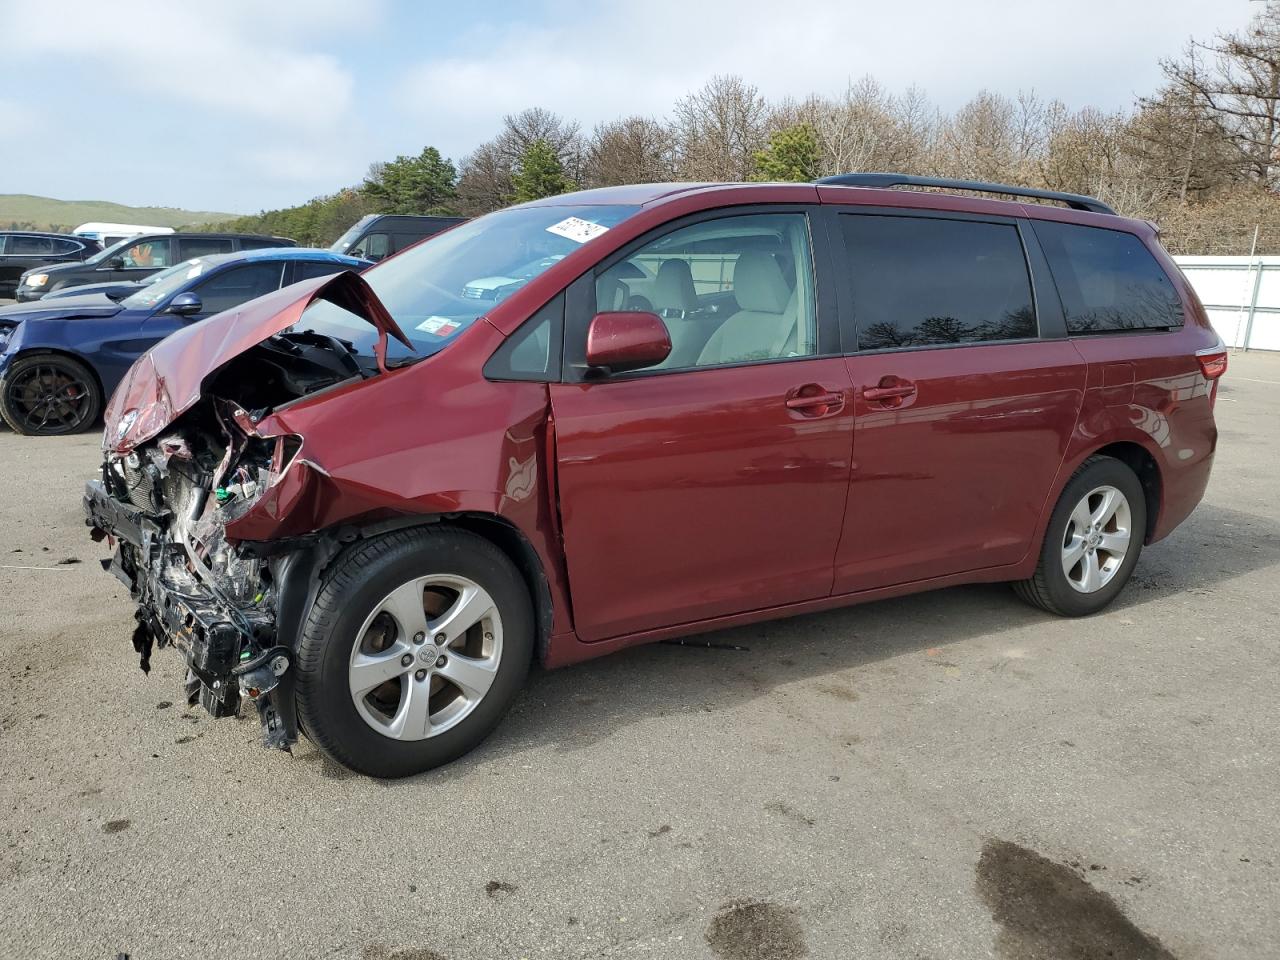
[(1108, 280), (160, 286), (373, 247), (151, 254), (732, 290), (347, 239), (921, 281), (238, 285), (111, 248)]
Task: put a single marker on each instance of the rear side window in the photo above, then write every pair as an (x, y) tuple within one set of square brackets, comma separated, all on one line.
[(203, 246), (402, 240), (30, 246), (309, 269), (1108, 280), (920, 281)]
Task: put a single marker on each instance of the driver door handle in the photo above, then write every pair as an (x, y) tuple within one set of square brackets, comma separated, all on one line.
[(890, 392)]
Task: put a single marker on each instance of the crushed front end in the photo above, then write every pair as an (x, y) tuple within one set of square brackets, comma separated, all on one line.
[(166, 506), (187, 464)]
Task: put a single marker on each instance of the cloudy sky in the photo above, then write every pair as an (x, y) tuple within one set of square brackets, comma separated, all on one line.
[(238, 105)]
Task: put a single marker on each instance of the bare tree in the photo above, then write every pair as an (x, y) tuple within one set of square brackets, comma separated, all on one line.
[(867, 129), (631, 150), (1180, 143), (1241, 85), (521, 130), (718, 129), (484, 180), (980, 141)]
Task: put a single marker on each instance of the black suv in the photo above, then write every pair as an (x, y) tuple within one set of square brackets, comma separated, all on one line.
[(379, 235), (24, 250), (138, 257)]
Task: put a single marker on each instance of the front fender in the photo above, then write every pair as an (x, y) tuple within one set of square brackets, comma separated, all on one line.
[(433, 439)]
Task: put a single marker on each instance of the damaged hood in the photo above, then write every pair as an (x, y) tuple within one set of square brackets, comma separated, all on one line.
[(165, 381)]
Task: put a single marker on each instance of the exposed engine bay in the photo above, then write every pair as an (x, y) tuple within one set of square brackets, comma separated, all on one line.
[(167, 504)]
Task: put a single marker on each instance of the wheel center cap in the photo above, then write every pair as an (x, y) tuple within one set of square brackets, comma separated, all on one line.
[(1095, 539), (428, 654)]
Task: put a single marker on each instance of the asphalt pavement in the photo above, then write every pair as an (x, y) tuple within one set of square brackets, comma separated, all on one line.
[(952, 775)]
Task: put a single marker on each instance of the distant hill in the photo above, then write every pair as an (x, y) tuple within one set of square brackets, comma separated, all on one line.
[(44, 213)]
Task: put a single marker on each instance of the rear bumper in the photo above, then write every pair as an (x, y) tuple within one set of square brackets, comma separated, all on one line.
[(1184, 488)]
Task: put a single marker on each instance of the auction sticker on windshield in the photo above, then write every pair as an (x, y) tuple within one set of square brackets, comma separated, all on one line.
[(438, 326), (577, 229)]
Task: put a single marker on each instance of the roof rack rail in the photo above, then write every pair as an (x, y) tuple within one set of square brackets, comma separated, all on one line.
[(1074, 200)]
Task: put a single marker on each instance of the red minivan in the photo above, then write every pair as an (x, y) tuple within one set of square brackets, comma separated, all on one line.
[(368, 503)]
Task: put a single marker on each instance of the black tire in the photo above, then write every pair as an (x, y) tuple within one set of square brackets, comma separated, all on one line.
[(1049, 589), (49, 395), (366, 574)]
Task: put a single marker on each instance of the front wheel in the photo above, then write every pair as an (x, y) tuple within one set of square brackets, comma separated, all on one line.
[(1092, 543), (47, 395), (413, 650)]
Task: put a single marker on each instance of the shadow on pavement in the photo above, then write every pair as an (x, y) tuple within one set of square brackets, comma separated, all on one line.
[(578, 706)]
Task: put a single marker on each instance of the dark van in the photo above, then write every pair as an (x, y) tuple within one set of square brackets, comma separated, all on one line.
[(139, 257), (379, 235)]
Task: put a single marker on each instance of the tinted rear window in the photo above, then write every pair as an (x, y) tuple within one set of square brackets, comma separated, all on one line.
[(189, 247), (309, 269), (1108, 280), (919, 281), (31, 246)]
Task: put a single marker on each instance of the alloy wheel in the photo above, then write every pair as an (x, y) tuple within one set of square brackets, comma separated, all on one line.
[(1097, 538), (425, 657), (48, 398)]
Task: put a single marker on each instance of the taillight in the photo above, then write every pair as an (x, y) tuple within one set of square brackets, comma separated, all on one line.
[(1213, 363)]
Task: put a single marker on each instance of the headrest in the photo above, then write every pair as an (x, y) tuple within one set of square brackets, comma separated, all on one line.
[(673, 288), (611, 294), (758, 283)]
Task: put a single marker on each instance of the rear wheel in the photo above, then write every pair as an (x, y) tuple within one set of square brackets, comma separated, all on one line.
[(413, 651), (1092, 543), (47, 395)]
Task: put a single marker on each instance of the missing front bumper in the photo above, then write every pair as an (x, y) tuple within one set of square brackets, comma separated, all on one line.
[(230, 651)]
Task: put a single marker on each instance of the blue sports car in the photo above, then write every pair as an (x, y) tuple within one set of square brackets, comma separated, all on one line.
[(61, 359)]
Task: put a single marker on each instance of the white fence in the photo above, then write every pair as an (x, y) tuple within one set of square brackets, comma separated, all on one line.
[(1242, 297)]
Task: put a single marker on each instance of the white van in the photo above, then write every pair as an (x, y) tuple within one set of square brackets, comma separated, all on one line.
[(109, 233)]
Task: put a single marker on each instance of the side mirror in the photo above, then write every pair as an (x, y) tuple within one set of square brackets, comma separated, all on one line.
[(116, 263), (185, 305), (622, 341)]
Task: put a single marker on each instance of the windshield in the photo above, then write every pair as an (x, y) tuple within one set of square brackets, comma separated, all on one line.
[(161, 285), (347, 239), (437, 289), (110, 251)]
